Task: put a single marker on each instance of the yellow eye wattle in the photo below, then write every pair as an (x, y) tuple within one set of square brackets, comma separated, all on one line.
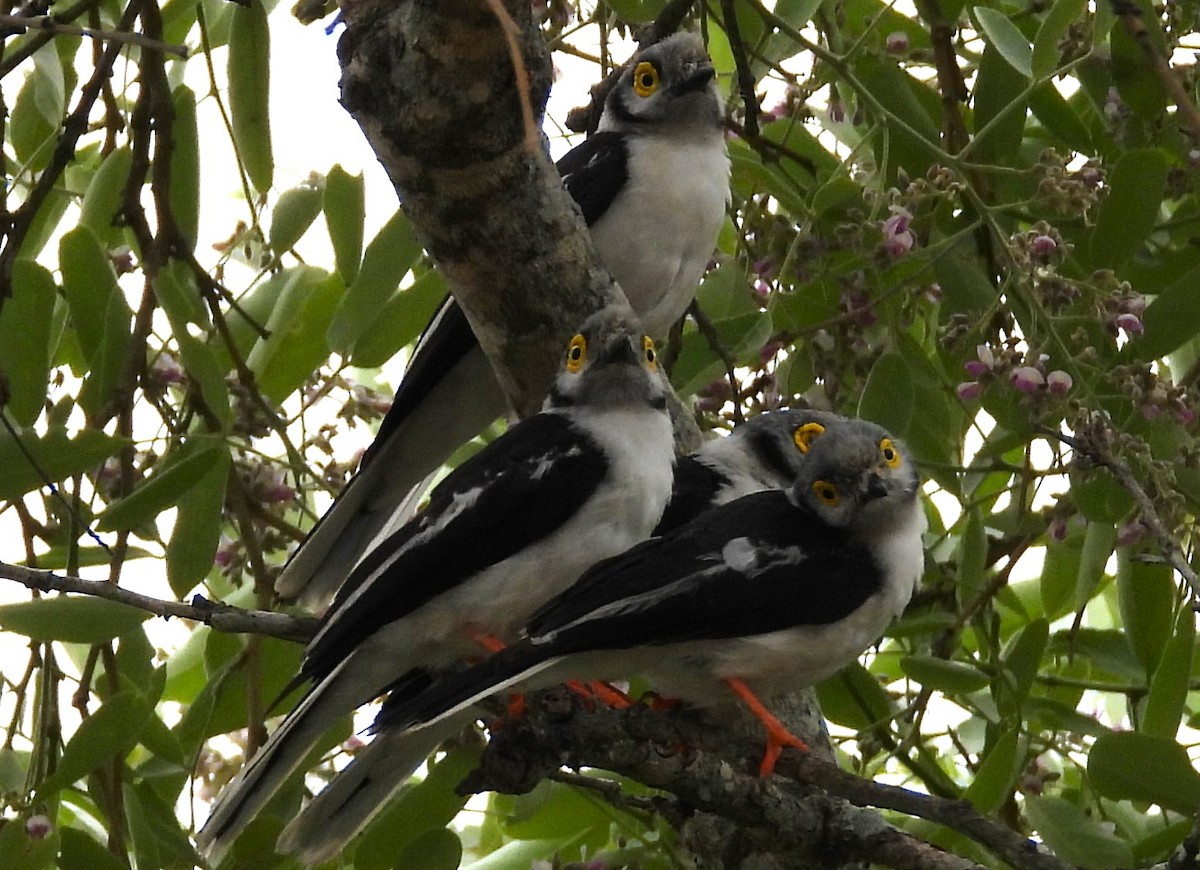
[(826, 492), (645, 79), (576, 353), (650, 354), (891, 455), (804, 435)]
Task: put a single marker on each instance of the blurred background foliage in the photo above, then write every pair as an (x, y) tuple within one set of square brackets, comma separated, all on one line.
[(974, 223)]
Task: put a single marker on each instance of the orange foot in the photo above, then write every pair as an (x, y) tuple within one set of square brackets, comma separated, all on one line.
[(778, 736)]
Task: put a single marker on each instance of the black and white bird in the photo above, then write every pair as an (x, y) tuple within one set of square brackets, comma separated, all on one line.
[(505, 531), (764, 452), (768, 593), (653, 186)]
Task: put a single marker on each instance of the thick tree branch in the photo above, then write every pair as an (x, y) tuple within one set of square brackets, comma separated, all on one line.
[(221, 617), (809, 818), (432, 84)]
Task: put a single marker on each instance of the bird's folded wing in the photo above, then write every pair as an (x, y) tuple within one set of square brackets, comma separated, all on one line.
[(594, 172), (511, 495)]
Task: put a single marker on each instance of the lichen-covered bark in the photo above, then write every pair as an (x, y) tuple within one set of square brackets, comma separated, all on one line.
[(434, 88)]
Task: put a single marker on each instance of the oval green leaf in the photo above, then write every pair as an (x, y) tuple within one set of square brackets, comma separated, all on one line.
[(1128, 214), (109, 732), (197, 529), (1141, 767), (345, 211), (945, 676), (184, 190), (887, 398), (25, 351), (997, 774), (1169, 688), (58, 457), (1074, 836), (71, 618), (249, 91), (161, 491), (1007, 38), (294, 213)]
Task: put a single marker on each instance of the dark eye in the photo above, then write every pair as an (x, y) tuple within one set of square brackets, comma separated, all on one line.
[(826, 492), (890, 454)]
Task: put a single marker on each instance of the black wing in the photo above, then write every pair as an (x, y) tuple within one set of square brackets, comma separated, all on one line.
[(693, 488), (755, 565), (511, 494), (594, 172)]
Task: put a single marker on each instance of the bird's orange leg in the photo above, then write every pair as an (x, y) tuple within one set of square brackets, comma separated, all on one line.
[(777, 735)]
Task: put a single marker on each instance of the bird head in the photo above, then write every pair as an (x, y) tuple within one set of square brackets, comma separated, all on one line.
[(610, 362), (669, 85), (855, 476), (771, 446)]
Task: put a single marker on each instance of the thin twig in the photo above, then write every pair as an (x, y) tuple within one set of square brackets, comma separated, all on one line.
[(220, 617), (1120, 470), (45, 22)]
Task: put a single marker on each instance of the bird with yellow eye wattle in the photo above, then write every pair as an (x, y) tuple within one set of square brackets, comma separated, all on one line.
[(766, 594), (509, 528)]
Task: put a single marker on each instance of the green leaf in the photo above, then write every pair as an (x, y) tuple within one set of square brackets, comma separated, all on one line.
[(439, 849), (200, 362), (158, 839), (1021, 660), (972, 555), (58, 457), (104, 196), (997, 774), (429, 805), (1146, 596), (197, 531), (1074, 836), (1171, 319), (81, 851), (1060, 570), (1046, 54), (250, 93), (1060, 118), (945, 676), (1007, 38), (303, 338), (99, 313), (71, 618), (25, 322), (1169, 687), (854, 698), (292, 289), (345, 211), (401, 321), (888, 397), (108, 733), (995, 87), (1132, 72), (175, 476), (1128, 765), (1098, 543), (1129, 213), (294, 213), (31, 134), (1098, 495), (184, 189), (177, 293), (387, 259)]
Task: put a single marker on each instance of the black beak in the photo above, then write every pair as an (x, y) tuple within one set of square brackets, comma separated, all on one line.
[(876, 488), (620, 350), (698, 80)]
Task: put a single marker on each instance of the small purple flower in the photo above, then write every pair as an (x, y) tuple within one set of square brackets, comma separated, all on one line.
[(38, 827), (897, 237), (1027, 379), (1185, 416), (1043, 245), (769, 350), (226, 553), (896, 42), (1058, 382), (762, 267), (1090, 176), (122, 260), (985, 355), (976, 368), (165, 369), (762, 290), (1057, 530), (1130, 323), (969, 391)]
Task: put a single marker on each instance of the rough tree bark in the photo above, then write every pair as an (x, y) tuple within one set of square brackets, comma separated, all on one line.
[(433, 85)]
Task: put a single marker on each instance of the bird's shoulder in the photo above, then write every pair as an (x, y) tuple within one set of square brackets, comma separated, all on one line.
[(595, 171)]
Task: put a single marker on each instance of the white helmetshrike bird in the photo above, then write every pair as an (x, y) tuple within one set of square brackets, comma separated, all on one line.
[(764, 452), (767, 593), (653, 185), (509, 528)]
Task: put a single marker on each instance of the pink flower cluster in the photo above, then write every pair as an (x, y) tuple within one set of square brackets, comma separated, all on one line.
[(1028, 379)]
